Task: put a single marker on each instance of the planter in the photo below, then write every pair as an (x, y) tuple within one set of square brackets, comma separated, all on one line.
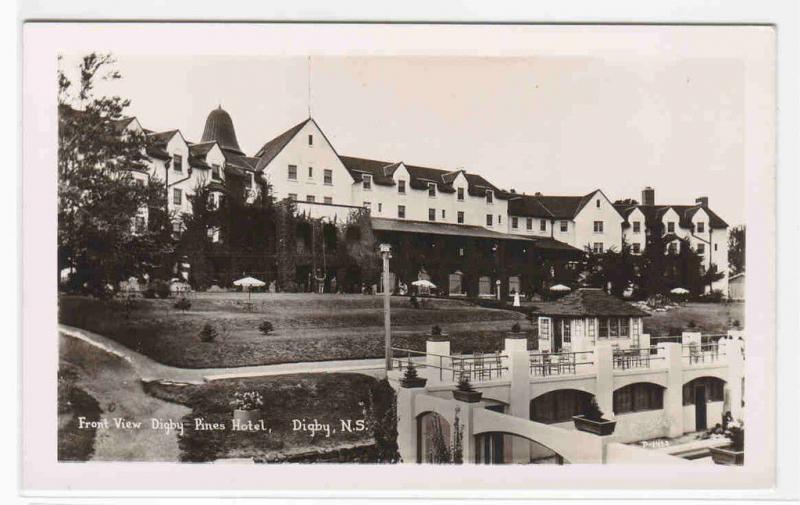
[(416, 382), (726, 456), (443, 337), (601, 428), (243, 416), (467, 396), (517, 334)]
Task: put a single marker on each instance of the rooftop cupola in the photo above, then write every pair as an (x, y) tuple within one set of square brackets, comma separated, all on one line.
[(219, 128)]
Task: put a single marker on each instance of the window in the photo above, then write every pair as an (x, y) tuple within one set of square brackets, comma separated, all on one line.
[(310, 198), (624, 327), (566, 331), (671, 227), (177, 162), (310, 172), (514, 223), (293, 197), (637, 227), (292, 172), (489, 218), (529, 223), (380, 207), (460, 194), (368, 205), (597, 248), (542, 225), (564, 225), (311, 140), (367, 182), (499, 219), (177, 196), (638, 397), (444, 214), (401, 211), (636, 247), (327, 177), (701, 227), (328, 200), (401, 187), (215, 169), (598, 227), (597, 204), (613, 327), (602, 327), (460, 217), (489, 196), (431, 189), (701, 248), (715, 247), (431, 214), (715, 389), (673, 248)]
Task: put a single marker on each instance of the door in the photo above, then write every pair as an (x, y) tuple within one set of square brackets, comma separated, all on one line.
[(700, 408), (493, 442), (557, 335)]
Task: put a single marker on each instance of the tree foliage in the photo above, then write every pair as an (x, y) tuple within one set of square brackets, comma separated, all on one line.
[(736, 249), (98, 194)]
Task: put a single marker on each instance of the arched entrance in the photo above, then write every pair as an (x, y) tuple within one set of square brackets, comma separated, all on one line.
[(434, 439), (703, 400)]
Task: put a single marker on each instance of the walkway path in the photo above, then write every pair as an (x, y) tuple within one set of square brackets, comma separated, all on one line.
[(151, 370)]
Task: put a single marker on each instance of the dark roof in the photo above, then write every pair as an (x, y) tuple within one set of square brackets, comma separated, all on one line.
[(554, 207), (272, 148), (219, 128), (239, 161), (201, 149), (588, 302), (161, 139), (420, 177), (654, 213)]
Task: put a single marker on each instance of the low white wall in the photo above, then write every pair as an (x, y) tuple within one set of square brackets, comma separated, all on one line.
[(636, 426), (632, 455), (539, 451)]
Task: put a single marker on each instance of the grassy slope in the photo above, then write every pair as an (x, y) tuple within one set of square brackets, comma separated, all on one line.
[(74, 444), (324, 397), (705, 317), (308, 327)]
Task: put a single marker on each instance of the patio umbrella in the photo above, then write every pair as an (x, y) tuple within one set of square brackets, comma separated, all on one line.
[(249, 282), (680, 291), (423, 283), (560, 287)]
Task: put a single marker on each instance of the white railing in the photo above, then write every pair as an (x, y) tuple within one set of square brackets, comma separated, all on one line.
[(636, 357), (478, 367), (696, 354), (543, 364)]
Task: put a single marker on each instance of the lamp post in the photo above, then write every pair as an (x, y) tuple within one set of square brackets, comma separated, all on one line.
[(386, 254)]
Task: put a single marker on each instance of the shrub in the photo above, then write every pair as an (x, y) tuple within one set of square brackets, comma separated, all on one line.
[(265, 327), (516, 328), (411, 371), (183, 304), (249, 400), (464, 384), (436, 330), (712, 297), (592, 411), (691, 325), (161, 288), (208, 333)]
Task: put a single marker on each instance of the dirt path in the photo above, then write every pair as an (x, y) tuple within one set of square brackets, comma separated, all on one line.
[(150, 370), (117, 387)]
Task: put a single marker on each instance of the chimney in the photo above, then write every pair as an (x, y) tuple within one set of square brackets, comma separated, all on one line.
[(648, 196), (701, 200)]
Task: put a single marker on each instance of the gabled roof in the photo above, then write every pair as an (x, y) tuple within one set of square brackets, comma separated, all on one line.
[(420, 177), (588, 302), (554, 207), (240, 162), (655, 213), (272, 148), (161, 139), (201, 148)]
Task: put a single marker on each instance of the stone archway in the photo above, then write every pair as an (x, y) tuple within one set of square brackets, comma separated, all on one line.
[(434, 438)]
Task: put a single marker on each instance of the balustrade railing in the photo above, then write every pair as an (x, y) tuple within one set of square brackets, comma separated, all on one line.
[(694, 354), (636, 357), (478, 367), (543, 364)]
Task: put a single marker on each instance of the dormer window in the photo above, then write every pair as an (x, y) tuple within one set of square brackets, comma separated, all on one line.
[(215, 172), (310, 140), (489, 196), (597, 203), (177, 162), (460, 194), (671, 227), (250, 181), (701, 227), (432, 189), (367, 182)]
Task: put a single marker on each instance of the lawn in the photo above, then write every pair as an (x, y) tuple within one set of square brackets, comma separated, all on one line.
[(74, 444), (703, 317), (308, 327), (327, 399)]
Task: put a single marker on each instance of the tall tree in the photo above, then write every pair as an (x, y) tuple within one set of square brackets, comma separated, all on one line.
[(736, 249), (98, 195)]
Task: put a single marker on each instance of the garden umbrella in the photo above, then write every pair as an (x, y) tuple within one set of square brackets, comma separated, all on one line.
[(560, 287), (680, 291), (424, 283), (249, 282)]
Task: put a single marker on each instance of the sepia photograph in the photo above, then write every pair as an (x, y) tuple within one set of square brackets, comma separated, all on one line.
[(401, 260)]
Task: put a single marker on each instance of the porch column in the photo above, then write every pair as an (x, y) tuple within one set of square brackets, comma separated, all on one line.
[(438, 369), (407, 435), (673, 395), (520, 395), (604, 388)]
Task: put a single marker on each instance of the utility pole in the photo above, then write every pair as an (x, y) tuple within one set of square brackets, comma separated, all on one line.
[(386, 254)]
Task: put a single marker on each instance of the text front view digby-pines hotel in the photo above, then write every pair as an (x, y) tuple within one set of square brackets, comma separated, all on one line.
[(459, 211)]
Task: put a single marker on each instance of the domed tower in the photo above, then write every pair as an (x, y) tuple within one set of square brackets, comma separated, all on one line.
[(219, 127)]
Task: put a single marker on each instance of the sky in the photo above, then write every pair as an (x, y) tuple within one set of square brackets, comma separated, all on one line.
[(558, 125)]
